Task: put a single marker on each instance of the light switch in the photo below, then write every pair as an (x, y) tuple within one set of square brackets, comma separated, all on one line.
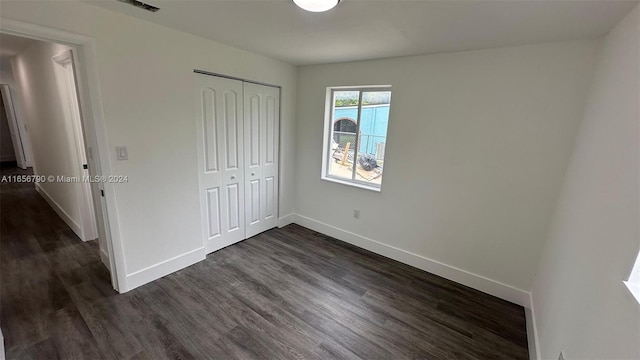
[(121, 152)]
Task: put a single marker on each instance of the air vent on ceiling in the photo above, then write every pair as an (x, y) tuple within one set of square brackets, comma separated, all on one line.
[(141, 5)]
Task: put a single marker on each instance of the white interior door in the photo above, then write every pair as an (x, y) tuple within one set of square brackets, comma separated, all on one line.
[(13, 126), (219, 117), (84, 196), (261, 124)]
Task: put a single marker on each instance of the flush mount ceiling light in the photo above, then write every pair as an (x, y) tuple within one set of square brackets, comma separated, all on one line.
[(316, 5)]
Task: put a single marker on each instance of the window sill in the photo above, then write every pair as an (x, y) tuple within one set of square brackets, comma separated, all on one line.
[(634, 289), (352, 183)]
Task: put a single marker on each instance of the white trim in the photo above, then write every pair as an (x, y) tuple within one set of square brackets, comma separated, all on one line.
[(475, 281), (286, 220), (164, 268), (634, 290), (77, 229), (64, 58), (354, 183), (633, 283), (104, 257), (96, 130), (220, 244), (532, 330), (37, 32), (2, 356)]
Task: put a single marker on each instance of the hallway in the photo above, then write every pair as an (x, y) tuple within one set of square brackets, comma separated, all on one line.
[(43, 267)]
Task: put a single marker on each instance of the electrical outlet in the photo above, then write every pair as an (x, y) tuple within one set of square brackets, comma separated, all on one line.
[(356, 213), (561, 356)]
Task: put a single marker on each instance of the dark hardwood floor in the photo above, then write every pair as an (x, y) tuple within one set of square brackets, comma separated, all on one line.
[(288, 293)]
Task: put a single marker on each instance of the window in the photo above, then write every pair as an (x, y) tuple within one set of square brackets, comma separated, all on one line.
[(356, 121)]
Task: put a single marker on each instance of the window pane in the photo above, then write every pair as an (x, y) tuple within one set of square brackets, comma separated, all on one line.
[(343, 133), (374, 119)]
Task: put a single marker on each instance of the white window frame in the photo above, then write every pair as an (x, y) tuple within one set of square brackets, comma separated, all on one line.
[(328, 126)]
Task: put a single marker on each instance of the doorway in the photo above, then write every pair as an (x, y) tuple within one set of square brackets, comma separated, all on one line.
[(12, 145), (70, 64), (44, 77)]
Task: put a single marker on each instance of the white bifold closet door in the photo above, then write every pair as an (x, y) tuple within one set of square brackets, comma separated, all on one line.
[(238, 127), (219, 113), (261, 114)]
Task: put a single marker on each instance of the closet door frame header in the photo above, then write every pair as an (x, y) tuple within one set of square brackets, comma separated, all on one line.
[(203, 72)]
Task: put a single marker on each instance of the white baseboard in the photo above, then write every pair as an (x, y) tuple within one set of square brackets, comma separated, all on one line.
[(60, 211), (475, 281), (104, 257), (532, 330), (161, 269), (286, 220), (2, 355)]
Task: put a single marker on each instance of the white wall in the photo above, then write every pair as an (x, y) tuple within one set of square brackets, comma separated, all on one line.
[(580, 303), (477, 145), (146, 84)]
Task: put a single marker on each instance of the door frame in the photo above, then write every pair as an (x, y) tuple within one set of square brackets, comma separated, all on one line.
[(93, 122), (14, 126)]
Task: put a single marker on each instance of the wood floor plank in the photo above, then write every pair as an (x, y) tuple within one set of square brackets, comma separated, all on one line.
[(329, 349), (72, 337), (289, 293)]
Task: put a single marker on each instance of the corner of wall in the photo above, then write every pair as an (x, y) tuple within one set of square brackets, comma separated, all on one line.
[(77, 229), (460, 276), (286, 220), (532, 330), (104, 257), (156, 271)]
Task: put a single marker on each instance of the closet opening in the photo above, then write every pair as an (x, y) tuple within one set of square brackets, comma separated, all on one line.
[(238, 124)]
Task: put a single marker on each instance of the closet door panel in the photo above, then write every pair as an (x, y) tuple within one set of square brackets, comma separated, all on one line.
[(270, 201), (213, 213), (232, 121), (219, 121), (233, 208), (253, 141), (253, 208), (270, 155), (262, 114), (253, 104), (231, 131)]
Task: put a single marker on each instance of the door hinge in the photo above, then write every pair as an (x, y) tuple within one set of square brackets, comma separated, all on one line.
[(102, 192), (85, 166)]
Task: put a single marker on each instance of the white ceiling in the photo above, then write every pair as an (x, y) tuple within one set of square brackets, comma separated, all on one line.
[(12, 45), (370, 29)]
